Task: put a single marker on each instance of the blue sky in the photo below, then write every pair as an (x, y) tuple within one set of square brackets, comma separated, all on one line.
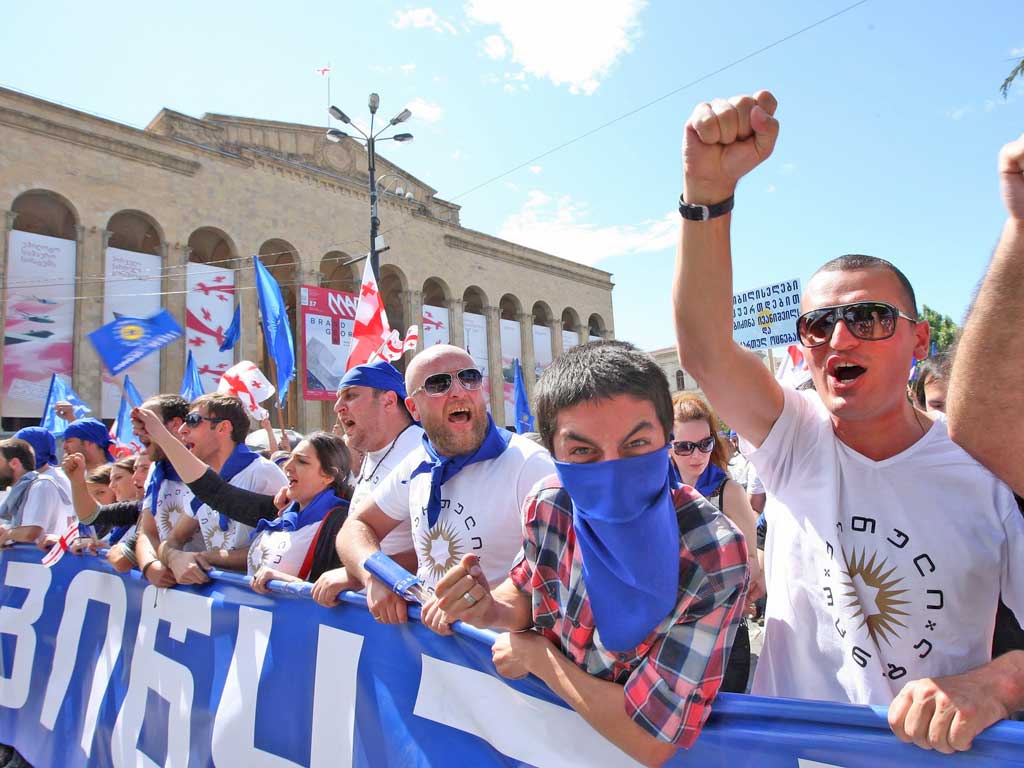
[(891, 115)]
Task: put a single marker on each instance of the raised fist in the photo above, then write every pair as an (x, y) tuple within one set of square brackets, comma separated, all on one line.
[(74, 466), (724, 141), (1011, 177)]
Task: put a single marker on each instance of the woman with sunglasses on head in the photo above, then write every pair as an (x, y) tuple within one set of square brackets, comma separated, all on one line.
[(316, 496), (699, 455)]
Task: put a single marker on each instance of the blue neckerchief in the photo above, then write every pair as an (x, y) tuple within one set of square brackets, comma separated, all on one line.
[(162, 470), (293, 518), (709, 480), (116, 534), (444, 468), (674, 478), (12, 507), (628, 535), (241, 457)]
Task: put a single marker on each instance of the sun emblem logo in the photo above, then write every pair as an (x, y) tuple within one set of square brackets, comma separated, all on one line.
[(439, 551), (215, 538), (874, 592), (131, 332)]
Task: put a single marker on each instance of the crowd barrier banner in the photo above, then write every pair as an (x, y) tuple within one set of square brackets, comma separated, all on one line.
[(103, 669)]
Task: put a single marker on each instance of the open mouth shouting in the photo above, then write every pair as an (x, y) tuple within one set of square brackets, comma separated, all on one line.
[(460, 414), (843, 374)]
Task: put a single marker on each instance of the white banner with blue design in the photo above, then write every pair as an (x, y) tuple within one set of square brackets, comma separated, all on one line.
[(98, 668)]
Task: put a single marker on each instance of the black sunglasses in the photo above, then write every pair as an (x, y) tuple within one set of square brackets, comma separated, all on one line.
[(194, 419), (867, 320), (438, 384), (685, 447)]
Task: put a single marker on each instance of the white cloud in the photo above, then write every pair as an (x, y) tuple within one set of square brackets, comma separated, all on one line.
[(422, 18), (960, 112), (457, 155), (577, 43), (564, 228), (536, 168), (407, 69), (494, 47), (425, 110), (1015, 52)]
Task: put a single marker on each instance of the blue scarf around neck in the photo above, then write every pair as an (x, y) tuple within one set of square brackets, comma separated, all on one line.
[(293, 518), (628, 534), (241, 457), (444, 468), (709, 480), (12, 510), (162, 470)]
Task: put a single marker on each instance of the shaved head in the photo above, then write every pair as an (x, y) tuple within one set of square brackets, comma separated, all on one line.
[(440, 357)]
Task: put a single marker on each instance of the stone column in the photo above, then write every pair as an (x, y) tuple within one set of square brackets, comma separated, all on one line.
[(251, 342), (174, 258), (412, 308), (493, 315), (556, 338), (6, 225), (456, 335), (89, 267), (529, 359)]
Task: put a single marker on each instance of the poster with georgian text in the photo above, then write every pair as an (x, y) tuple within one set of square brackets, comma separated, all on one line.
[(209, 310), (542, 354), (327, 318), (570, 339), (474, 336), (39, 325), (511, 348)]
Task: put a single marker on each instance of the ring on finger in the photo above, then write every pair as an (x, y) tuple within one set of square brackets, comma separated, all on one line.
[(469, 598)]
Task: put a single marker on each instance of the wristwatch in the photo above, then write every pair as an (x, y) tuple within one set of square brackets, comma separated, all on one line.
[(705, 212)]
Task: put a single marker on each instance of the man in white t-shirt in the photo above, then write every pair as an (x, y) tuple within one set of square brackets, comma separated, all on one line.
[(44, 445), (165, 497), (214, 431), (463, 488), (888, 546), (35, 505), (371, 411)]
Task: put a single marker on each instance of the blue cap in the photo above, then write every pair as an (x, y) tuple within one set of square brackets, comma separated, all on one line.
[(91, 431), (379, 375), (42, 442)]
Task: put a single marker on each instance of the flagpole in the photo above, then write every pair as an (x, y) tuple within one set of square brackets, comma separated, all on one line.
[(771, 361), (277, 400)]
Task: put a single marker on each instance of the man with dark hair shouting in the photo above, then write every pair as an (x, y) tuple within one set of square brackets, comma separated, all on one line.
[(888, 546)]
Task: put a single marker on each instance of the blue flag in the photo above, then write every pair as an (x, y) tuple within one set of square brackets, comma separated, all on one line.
[(126, 340), (121, 431), (191, 384), (234, 330), (524, 419), (276, 328), (933, 350), (61, 391)]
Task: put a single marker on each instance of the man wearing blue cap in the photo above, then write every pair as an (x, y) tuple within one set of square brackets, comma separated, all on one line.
[(90, 438), (36, 505), (45, 447), (371, 409)]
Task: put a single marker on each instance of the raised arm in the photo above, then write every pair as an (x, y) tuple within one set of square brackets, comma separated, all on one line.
[(85, 505), (188, 467), (985, 384), (241, 505), (723, 141)]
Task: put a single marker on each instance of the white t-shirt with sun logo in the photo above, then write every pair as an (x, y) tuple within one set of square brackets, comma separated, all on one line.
[(481, 509), (172, 502), (261, 476), (283, 551), (878, 572)]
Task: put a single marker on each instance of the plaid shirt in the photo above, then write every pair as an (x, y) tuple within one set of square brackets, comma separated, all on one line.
[(670, 679)]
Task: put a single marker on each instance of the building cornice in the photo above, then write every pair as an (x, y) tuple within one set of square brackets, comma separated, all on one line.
[(34, 123), (567, 270)]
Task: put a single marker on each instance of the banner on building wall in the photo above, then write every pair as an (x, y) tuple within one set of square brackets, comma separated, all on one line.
[(542, 355), (132, 289), (40, 323), (474, 336), (209, 309), (570, 339), (327, 319), (511, 348), (435, 326), (104, 669)]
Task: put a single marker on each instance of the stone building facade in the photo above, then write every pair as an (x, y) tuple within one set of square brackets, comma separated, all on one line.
[(220, 189)]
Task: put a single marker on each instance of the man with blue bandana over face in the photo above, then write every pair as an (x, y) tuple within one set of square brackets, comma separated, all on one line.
[(629, 586), (462, 488)]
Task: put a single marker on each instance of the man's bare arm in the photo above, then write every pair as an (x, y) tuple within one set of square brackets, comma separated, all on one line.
[(360, 537), (723, 141), (146, 545), (985, 385)]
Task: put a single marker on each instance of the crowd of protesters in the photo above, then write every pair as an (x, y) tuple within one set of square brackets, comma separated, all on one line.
[(633, 535)]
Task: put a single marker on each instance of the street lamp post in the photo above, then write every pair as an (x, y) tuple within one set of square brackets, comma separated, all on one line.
[(370, 139)]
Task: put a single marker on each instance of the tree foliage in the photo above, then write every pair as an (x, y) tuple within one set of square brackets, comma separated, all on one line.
[(944, 330), (1014, 74)]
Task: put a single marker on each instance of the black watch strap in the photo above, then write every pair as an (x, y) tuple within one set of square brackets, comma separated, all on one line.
[(705, 212)]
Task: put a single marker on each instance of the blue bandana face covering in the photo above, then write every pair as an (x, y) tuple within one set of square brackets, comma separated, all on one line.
[(628, 537)]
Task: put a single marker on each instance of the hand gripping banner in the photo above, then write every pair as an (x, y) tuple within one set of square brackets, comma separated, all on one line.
[(98, 668)]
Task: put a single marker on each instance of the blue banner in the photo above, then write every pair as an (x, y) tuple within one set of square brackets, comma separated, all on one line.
[(59, 391), (125, 340), (100, 668)]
